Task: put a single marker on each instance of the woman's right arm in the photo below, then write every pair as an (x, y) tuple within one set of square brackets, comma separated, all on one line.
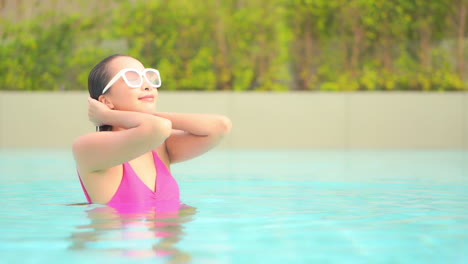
[(98, 151)]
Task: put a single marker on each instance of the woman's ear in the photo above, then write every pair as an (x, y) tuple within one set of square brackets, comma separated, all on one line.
[(103, 99)]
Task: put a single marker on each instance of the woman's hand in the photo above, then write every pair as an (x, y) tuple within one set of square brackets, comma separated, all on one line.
[(97, 112)]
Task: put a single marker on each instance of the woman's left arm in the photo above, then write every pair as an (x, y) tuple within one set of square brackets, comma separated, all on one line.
[(194, 134)]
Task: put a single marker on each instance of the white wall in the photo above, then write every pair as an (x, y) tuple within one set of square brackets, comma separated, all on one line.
[(263, 120)]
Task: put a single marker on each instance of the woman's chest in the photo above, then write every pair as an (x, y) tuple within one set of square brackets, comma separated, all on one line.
[(145, 168)]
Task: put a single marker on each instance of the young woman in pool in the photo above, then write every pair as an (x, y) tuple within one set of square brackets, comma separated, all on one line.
[(128, 160)]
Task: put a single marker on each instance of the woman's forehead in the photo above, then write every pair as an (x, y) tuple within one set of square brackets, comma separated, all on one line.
[(123, 62)]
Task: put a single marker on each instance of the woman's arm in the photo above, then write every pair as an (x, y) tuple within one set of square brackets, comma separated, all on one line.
[(194, 134), (98, 151)]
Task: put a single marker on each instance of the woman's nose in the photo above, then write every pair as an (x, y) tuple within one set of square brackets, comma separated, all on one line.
[(146, 85)]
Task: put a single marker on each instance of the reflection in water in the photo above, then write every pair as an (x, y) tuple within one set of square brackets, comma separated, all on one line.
[(136, 230)]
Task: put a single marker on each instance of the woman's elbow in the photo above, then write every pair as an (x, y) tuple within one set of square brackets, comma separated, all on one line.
[(159, 130), (224, 125), (165, 128)]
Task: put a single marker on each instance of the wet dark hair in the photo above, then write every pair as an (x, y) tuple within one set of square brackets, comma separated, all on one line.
[(98, 79)]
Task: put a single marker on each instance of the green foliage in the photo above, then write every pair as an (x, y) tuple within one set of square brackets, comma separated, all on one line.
[(264, 45)]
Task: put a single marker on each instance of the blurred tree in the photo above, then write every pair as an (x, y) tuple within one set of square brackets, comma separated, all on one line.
[(459, 9), (277, 45)]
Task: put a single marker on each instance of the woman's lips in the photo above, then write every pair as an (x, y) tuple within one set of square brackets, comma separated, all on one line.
[(147, 98)]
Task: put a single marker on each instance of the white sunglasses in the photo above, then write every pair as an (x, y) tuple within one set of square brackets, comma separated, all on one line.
[(134, 78)]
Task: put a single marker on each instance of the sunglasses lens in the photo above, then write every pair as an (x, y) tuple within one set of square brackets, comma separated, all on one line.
[(133, 77), (153, 77)]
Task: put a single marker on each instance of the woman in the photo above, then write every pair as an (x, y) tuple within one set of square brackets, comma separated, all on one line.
[(128, 160)]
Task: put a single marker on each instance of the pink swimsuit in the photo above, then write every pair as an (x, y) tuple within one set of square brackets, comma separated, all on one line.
[(134, 193), (134, 201)]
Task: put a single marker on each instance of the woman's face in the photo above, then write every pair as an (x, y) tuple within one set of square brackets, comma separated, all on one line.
[(125, 98)]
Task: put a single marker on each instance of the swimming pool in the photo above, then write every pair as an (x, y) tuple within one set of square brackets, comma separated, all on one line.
[(250, 206)]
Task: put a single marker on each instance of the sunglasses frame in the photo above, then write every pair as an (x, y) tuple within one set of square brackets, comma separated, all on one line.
[(142, 74)]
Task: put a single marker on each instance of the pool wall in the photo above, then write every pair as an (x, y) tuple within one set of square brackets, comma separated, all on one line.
[(383, 120)]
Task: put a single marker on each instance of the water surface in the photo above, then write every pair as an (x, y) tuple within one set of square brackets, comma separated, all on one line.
[(247, 206)]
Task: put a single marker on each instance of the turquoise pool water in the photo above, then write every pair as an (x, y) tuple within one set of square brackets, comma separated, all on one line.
[(250, 206)]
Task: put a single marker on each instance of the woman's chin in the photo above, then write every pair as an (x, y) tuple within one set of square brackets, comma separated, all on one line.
[(146, 107), (149, 108)]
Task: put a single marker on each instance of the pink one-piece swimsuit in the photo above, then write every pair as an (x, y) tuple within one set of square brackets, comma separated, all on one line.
[(134, 193)]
